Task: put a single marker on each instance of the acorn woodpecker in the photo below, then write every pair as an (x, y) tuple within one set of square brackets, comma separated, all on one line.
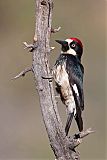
[(68, 75)]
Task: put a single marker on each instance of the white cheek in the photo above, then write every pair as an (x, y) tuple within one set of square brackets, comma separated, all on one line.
[(71, 51)]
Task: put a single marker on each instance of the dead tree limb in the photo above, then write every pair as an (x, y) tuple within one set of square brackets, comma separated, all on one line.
[(23, 73), (55, 30), (55, 131)]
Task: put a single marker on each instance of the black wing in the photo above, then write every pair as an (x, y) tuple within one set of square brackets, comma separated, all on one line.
[(75, 71)]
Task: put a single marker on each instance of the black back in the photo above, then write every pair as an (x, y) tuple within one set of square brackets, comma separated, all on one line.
[(75, 70)]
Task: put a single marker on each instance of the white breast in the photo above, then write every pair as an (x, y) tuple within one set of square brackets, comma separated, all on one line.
[(61, 78)]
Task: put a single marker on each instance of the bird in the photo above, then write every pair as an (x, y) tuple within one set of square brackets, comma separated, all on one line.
[(68, 73)]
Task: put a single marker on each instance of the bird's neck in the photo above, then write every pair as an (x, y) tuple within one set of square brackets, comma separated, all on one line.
[(69, 54)]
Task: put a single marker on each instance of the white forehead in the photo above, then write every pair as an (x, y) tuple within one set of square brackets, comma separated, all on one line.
[(69, 40)]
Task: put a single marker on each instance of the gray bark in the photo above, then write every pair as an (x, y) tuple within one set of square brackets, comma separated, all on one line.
[(55, 131)]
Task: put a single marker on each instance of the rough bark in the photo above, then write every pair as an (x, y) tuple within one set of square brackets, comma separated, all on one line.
[(55, 131)]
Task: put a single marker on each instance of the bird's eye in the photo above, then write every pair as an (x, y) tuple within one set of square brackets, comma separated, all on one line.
[(73, 45)]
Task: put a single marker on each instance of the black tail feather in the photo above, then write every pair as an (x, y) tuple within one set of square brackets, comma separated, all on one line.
[(68, 123), (79, 109), (79, 120)]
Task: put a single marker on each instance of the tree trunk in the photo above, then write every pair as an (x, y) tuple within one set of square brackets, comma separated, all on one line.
[(55, 131)]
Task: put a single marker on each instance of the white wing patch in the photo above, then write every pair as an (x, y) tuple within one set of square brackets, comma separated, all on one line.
[(75, 89)]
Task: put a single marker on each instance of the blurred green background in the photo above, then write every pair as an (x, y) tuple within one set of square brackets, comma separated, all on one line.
[(22, 132)]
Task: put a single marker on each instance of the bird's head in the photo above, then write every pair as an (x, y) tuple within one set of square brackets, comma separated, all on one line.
[(72, 46)]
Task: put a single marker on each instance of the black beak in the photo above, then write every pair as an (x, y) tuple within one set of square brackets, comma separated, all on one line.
[(63, 43)]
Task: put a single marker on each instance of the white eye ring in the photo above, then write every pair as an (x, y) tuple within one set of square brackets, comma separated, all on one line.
[(73, 45)]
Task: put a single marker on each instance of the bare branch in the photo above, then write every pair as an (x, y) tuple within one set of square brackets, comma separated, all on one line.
[(86, 133), (55, 30), (52, 48), (77, 138), (22, 73), (35, 38), (30, 47)]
